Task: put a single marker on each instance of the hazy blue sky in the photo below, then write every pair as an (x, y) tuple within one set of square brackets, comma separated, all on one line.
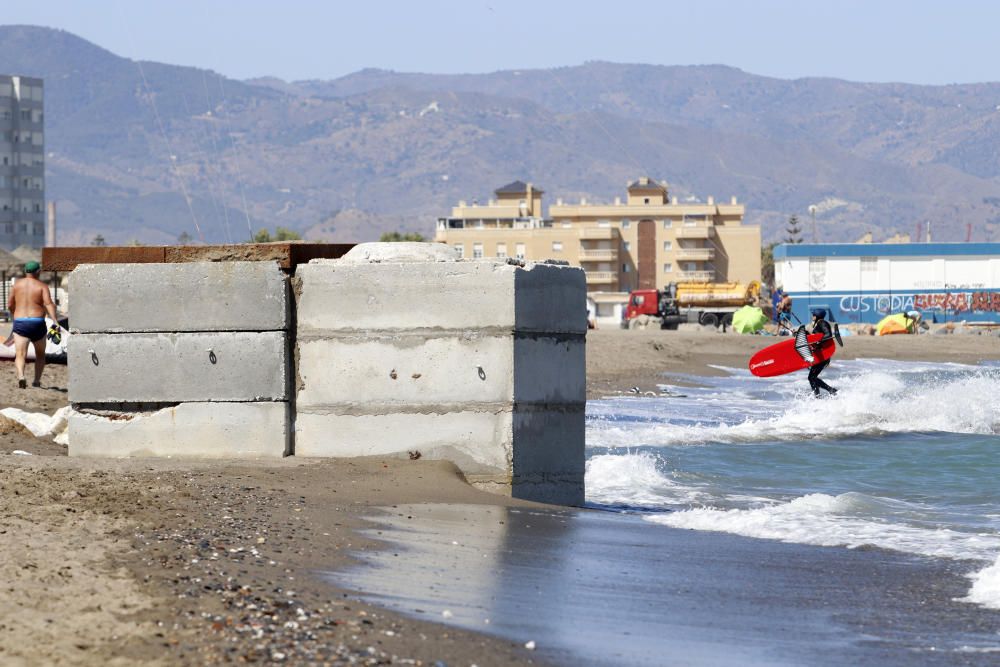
[(916, 41)]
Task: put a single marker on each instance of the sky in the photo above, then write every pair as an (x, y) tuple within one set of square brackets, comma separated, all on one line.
[(911, 41)]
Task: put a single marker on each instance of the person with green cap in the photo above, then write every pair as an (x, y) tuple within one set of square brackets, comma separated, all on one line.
[(29, 303)]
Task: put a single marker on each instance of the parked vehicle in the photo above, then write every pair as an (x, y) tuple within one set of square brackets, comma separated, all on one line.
[(708, 304)]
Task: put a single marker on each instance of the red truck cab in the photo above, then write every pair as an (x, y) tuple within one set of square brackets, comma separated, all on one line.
[(642, 302)]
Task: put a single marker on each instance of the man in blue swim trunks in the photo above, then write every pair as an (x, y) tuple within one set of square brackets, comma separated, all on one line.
[(29, 303)]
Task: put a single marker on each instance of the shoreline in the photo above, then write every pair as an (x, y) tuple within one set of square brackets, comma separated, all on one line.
[(166, 561), (618, 359)]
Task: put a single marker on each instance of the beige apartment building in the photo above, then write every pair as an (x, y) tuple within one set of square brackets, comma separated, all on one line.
[(644, 242)]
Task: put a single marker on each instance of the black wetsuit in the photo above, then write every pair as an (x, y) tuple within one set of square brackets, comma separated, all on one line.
[(823, 327)]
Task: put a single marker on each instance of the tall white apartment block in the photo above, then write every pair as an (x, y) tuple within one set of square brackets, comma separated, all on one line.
[(22, 162)]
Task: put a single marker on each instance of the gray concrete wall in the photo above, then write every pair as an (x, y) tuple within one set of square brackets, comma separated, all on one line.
[(198, 430), (478, 362), (400, 350), (171, 367), (211, 338), (197, 296)]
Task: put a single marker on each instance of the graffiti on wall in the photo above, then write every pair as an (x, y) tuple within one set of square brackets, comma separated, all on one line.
[(951, 302)]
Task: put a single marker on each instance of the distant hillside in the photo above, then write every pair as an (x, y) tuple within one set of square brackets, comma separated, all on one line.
[(147, 151)]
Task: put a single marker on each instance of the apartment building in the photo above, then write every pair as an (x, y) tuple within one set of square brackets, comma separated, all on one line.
[(644, 241), (22, 162)]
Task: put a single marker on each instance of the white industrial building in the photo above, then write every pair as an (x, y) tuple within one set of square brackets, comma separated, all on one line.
[(863, 282)]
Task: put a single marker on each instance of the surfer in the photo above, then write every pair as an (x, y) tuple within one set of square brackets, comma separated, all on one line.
[(820, 326), (28, 304)]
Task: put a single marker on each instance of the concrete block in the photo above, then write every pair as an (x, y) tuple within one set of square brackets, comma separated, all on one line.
[(467, 368), (197, 296), (405, 369), (481, 295), (550, 298), (534, 454), (549, 370), (160, 368), (478, 442), (199, 430)]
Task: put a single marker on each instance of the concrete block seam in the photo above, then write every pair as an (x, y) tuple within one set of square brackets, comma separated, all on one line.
[(310, 334), (380, 408), (370, 409)]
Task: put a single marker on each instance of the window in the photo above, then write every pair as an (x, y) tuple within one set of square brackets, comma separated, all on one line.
[(628, 246), (557, 246), (26, 115), (519, 250), (668, 245), (624, 268), (667, 224), (501, 250), (477, 251), (39, 229), (668, 267), (460, 250), (645, 200), (626, 224)]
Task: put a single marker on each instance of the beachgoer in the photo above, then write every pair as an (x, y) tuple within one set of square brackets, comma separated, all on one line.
[(785, 315), (776, 296), (820, 326), (29, 302), (913, 321)]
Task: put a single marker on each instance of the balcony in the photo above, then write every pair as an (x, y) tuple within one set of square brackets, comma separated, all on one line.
[(601, 277), (696, 276), (695, 254), (598, 255), (694, 232), (598, 233)]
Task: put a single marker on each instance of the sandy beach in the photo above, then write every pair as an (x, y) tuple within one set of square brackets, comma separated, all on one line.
[(190, 562)]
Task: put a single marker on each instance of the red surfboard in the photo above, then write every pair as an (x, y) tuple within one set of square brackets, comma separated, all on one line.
[(795, 354)]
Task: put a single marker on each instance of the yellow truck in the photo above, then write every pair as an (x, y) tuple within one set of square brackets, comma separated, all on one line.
[(708, 304)]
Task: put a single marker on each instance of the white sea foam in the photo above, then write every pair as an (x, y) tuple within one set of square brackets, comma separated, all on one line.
[(633, 480), (870, 403), (986, 586), (845, 520)]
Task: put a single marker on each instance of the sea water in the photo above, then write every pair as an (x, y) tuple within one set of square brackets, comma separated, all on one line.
[(737, 521), (905, 457)]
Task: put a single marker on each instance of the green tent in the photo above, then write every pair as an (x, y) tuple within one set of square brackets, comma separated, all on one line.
[(749, 319)]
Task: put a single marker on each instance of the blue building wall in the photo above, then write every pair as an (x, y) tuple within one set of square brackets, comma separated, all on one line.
[(979, 303)]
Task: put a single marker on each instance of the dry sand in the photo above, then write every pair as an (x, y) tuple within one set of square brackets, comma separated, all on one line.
[(160, 561)]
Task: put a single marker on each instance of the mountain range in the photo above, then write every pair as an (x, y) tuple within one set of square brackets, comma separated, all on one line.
[(144, 151)]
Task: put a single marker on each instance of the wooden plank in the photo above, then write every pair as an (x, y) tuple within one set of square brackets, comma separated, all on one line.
[(287, 254), (66, 259)]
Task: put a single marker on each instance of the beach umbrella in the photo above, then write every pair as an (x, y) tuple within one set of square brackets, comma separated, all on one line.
[(897, 323), (749, 319)]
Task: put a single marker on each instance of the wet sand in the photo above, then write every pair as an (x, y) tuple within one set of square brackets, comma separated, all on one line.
[(602, 588), (173, 562)]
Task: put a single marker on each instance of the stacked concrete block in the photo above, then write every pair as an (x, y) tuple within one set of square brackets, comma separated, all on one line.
[(180, 359), (404, 350)]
